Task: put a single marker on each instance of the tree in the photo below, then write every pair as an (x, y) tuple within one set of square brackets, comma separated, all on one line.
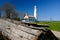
[(10, 11), (15, 15)]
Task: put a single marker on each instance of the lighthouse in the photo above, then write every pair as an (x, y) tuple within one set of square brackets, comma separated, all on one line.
[(30, 18), (35, 12)]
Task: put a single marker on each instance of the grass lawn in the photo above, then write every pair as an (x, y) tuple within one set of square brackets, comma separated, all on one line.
[(54, 25)]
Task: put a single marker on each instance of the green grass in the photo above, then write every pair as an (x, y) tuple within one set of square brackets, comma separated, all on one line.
[(54, 25)]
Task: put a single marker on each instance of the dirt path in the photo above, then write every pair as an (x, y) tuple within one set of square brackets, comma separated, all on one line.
[(56, 33)]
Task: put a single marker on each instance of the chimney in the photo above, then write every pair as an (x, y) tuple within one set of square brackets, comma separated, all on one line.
[(35, 12)]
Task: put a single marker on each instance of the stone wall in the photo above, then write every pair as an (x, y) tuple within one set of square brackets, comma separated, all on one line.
[(18, 32)]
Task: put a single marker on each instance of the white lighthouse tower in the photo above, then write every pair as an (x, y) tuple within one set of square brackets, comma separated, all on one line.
[(35, 12)]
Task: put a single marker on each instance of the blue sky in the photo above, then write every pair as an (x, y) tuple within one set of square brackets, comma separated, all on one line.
[(46, 9)]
